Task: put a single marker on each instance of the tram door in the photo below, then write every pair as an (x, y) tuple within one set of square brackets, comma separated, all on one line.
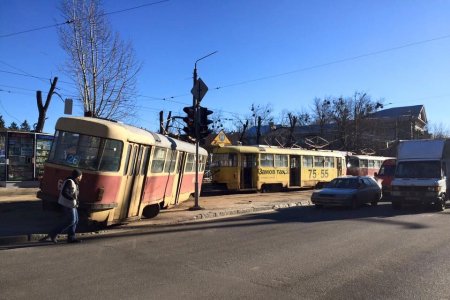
[(248, 162), (339, 166), (294, 171), (138, 185), (178, 179)]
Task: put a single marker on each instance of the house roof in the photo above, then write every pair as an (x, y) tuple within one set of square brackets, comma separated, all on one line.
[(395, 112)]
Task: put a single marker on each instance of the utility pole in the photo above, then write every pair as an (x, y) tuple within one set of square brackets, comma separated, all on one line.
[(196, 98)]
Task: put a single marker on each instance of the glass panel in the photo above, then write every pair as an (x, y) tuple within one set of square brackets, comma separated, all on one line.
[(281, 160), (329, 162), (2, 156), (127, 160), (319, 162), (159, 157), (190, 160), (43, 146), (170, 161), (20, 156), (110, 160), (363, 163), (266, 160), (224, 160), (145, 162), (308, 161)]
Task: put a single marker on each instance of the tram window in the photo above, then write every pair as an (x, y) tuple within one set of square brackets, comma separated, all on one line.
[(112, 152), (127, 161), (202, 160), (190, 162), (145, 162), (170, 161), (329, 162), (248, 161), (308, 161), (353, 162), (371, 164), (159, 157), (224, 160), (281, 160), (377, 164), (132, 161), (266, 160), (319, 161), (363, 163)]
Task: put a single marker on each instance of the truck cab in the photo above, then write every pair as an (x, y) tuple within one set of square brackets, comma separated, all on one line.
[(385, 176), (421, 173)]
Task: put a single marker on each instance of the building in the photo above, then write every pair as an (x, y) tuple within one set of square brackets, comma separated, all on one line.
[(22, 157)]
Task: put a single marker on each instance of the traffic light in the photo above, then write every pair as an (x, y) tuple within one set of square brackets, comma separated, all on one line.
[(189, 129), (204, 122)]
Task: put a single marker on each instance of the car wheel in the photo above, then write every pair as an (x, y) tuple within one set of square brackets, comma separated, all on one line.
[(375, 201)]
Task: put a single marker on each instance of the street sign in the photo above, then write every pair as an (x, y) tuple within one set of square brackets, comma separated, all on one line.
[(199, 90)]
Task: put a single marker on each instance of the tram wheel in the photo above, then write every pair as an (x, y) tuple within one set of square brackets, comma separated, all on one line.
[(151, 211)]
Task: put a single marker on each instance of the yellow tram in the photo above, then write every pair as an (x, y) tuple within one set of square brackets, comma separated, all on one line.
[(264, 168)]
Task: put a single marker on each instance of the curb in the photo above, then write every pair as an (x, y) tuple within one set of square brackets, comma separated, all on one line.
[(24, 238)]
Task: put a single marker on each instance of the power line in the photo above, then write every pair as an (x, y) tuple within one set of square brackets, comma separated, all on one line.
[(336, 61), (71, 21)]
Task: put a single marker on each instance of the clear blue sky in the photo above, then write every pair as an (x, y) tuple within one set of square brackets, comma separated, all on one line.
[(255, 39)]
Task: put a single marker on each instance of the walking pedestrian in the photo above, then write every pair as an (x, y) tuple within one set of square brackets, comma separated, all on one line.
[(68, 199)]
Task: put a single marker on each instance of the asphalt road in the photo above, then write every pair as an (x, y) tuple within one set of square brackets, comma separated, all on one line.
[(294, 253)]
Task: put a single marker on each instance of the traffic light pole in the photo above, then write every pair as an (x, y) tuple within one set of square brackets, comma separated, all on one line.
[(195, 104), (196, 118)]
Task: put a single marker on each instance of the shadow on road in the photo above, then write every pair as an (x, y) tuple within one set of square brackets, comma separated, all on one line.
[(382, 214)]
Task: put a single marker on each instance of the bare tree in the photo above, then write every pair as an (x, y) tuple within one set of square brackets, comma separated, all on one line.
[(440, 131), (42, 108), (342, 118), (258, 111), (102, 65), (322, 112)]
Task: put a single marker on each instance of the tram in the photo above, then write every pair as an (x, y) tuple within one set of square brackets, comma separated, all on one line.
[(264, 168), (364, 165), (128, 172)]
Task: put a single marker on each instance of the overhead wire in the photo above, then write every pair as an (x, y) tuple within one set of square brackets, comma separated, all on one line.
[(71, 21)]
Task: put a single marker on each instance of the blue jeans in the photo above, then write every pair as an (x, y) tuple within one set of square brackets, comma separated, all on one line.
[(69, 225)]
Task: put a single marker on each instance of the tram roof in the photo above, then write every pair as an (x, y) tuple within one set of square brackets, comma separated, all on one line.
[(277, 150), (372, 157), (121, 131)]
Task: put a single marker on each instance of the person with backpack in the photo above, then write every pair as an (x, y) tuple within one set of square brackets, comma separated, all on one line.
[(68, 199)]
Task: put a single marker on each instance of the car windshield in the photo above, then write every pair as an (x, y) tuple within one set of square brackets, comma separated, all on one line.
[(344, 183)]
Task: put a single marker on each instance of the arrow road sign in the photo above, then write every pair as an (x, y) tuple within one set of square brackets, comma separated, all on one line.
[(199, 90)]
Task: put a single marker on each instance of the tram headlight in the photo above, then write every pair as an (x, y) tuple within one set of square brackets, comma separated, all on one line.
[(100, 193)]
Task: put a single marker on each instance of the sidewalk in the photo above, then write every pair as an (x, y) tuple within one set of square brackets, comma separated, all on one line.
[(23, 220)]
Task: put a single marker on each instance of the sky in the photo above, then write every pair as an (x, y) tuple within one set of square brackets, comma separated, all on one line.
[(282, 53)]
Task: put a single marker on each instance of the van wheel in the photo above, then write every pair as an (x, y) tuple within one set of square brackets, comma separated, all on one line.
[(440, 204), (151, 211)]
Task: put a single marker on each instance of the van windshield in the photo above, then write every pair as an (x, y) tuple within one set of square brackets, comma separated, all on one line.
[(387, 171), (418, 169)]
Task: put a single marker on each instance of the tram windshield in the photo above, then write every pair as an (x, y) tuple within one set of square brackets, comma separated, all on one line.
[(85, 151)]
